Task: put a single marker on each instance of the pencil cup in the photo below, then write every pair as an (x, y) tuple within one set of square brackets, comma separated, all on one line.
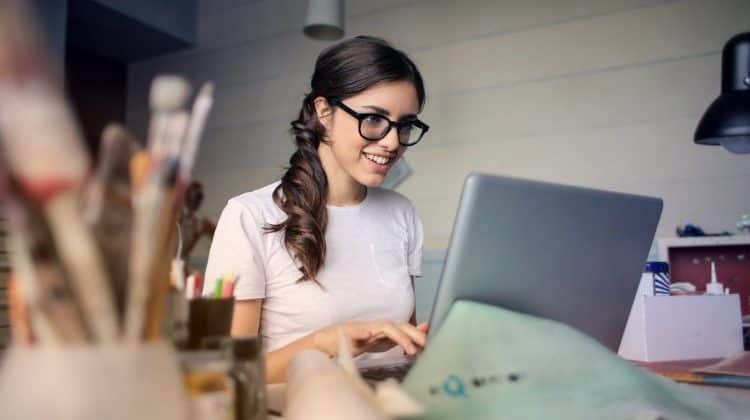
[(208, 319), (114, 381)]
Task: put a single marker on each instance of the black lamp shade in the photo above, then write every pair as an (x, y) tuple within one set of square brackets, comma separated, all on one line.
[(727, 120)]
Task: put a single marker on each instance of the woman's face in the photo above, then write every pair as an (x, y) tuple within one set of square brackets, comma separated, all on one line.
[(348, 156)]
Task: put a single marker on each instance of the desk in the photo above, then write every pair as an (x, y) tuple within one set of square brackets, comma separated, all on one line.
[(276, 392), (686, 366)]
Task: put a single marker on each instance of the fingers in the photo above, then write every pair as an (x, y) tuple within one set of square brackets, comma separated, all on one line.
[(327, 339), (417, 335), (359, 334), (359, 337), (374, 336), (400, 337)]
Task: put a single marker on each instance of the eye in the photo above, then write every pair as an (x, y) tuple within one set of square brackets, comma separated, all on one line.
[(373, 119), (406, 127)]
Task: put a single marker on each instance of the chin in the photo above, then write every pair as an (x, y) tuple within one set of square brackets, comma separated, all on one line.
[(372, 181)]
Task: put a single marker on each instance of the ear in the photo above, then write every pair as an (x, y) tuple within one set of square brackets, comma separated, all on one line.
[(324, 111)]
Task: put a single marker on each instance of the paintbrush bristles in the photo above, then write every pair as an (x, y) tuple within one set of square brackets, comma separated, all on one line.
[(169, 96), (207, 90), (201, 108), (168, 93), (42, 140)]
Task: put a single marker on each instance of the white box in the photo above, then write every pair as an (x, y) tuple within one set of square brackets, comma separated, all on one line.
[(664, 328)]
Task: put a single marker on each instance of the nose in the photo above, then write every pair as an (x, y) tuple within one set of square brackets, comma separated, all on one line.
[(390, 141)]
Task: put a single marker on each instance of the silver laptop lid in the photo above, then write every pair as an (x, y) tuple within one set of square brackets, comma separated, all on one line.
[(570, 254)]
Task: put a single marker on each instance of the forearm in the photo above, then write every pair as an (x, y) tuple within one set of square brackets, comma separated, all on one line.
[(278, 360)]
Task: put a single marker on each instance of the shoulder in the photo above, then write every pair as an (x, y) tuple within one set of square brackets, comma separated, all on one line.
[(257, 203)]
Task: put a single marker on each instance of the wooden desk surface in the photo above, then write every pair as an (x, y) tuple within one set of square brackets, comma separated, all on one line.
[(676, 368)]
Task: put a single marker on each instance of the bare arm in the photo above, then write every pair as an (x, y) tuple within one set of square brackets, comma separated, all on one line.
[(246, 317), (246, 320), (413, 318), (362, 336)]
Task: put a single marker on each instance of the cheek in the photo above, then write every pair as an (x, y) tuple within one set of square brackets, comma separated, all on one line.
[(346, 140), (348, 148)]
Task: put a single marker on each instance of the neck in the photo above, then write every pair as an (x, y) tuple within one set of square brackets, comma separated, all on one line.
[(343, 190), (343, 194)]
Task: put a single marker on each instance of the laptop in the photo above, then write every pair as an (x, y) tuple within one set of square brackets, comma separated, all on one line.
[(570, 254)]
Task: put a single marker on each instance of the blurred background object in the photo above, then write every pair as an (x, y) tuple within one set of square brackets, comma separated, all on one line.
[(324, 20), (192, 226)]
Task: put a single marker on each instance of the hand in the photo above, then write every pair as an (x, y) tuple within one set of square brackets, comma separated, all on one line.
[(372, 336)]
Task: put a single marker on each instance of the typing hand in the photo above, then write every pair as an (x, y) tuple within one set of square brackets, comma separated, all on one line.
[(373, 336)]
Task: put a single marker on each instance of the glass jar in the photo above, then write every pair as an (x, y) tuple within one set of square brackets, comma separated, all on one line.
[(249, 373)]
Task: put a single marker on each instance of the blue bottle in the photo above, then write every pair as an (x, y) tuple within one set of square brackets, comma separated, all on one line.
[(659, 272)]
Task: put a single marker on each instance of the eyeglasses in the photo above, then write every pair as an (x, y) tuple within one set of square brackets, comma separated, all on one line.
[(374, 127)]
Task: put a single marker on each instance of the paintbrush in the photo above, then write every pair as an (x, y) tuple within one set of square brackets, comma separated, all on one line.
[(167, 99), (53, 311), (18, 315), (44, 152), (107, 207), (37, 131), (201, 109), (154, 202), (22, 56)]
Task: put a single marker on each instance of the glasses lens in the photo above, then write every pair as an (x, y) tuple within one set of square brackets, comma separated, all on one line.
[(409, 134), (374, 127)]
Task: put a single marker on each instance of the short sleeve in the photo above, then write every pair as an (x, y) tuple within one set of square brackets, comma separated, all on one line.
[(416, 240), (237, 249)]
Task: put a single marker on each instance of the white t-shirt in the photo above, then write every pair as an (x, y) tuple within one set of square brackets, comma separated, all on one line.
[(372, 250)]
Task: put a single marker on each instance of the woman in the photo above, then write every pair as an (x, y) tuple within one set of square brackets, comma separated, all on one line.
[(325, 249)]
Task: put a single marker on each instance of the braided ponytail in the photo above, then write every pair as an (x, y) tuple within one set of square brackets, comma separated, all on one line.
[(302, 195)]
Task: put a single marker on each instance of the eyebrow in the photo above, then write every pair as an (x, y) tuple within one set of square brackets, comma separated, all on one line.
[(385, 112)]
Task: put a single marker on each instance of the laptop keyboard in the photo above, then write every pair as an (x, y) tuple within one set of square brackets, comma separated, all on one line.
[(380, 373)]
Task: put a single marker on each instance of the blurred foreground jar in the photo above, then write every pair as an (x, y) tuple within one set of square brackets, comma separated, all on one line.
[(225, 378), (208, 384), (250, 378)]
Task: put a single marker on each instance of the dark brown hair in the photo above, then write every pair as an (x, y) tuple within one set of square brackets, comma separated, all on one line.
[(342, 70)]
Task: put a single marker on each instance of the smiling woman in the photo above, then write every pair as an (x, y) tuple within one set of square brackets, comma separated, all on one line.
[(325, 248)]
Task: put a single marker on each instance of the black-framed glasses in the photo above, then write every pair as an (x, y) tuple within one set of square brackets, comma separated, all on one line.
[(374, 126)]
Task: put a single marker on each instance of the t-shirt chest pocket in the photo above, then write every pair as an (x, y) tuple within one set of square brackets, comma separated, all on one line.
[(390, 264)]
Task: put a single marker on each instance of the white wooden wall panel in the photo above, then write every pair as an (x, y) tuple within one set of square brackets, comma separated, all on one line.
[(596, 93)]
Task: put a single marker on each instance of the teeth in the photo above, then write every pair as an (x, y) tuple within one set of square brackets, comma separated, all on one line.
[(378, 159)]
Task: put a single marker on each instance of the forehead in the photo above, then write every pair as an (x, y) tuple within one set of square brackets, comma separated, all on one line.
[(398, 98)]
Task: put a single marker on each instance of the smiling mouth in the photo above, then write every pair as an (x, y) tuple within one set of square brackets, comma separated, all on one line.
[(380, 160)]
